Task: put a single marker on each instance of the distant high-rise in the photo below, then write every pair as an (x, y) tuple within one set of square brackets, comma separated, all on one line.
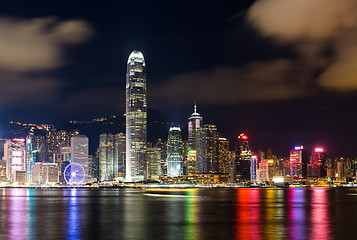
[(174, 153), (243, 158), (317, 166), (111, 155), (223, 155), (194, 123), (207, 150), (15, 157), (29, 159), (136, 115), (79, 151), (154, 162), (296, 166)]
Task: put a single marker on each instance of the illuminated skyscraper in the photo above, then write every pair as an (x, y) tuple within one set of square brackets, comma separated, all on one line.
[(174, 153), (317, 166), (15, 157), (29, 159), (253, 168), (194, 123), (108, 156), (154, 162), (207, 150), (243, 158), (223, 155), (136, 114), (79, 151), (296, 162)]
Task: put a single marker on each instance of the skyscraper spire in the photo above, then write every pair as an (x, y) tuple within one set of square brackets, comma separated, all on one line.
[(194, 122)]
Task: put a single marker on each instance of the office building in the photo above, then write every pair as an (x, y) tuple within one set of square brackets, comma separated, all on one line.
[(243, 158), (317, 166), (207, 150), (15, 157), (136, 118), (79, 152), (194, 123), (253, 169), (111, 156), (174, 153), (154, 163), (296, 162)]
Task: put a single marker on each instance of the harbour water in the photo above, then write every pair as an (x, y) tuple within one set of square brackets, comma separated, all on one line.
[(244, 213)]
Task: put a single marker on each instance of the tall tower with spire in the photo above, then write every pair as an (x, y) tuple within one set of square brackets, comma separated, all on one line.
[(136, 118), (194, 122)]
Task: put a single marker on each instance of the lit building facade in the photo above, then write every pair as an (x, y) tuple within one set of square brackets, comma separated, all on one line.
[(154, 162), (3, 171), (29, 159), (15, 157), (317, 166), (253, 168), (207, 150), (163, 146), (263, 170), (79, 151), (191, 162), (111, 155), (136, 118), (223, 155), (50, 173), (194, 123), (296, 162), (174, 153), (243, 158)]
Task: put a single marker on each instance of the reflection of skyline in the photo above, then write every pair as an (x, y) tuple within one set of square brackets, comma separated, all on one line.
[(16, 211), (296, 214), (73, 230), (262, 214), (258, 214), (191, 216), (320, 217)]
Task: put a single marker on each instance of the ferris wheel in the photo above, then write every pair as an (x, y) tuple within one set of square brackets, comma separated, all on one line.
[(74, 174)]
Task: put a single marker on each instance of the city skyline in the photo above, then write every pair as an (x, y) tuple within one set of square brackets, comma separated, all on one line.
[(246, 72)]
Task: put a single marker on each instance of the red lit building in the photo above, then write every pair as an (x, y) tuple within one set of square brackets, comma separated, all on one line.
[(296, 162), (317, 166)]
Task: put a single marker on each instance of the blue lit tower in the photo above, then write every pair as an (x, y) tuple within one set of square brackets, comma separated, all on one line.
[(136, 114), (29, 159), (174, 153), (253, 168)]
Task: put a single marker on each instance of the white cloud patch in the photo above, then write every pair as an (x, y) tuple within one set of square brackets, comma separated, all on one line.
[(30, 47), (37, 44), (311, 25)]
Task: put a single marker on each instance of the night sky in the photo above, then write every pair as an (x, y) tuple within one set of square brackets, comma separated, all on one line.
[(284, 72)]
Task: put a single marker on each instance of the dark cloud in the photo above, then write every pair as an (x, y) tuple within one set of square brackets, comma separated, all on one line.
[(312, 27), (30, 47), (100, 100), (255, 81), (21, 90)]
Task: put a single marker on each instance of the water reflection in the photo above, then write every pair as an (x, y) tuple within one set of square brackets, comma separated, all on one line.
[(296, 214), (247, 214), (214, 214), (16, 212), (31, 216), (320, 218), (191, 215), (73, 230)]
